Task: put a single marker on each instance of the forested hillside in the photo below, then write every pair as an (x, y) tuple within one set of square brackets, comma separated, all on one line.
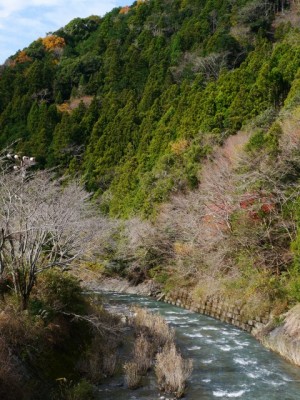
[(137, 99), (182, 112)]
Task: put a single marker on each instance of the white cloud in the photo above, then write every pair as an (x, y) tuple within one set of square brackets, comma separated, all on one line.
[(23, 21)]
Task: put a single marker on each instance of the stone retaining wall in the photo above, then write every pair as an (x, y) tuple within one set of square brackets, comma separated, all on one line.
[(220, 308), (216, 307)]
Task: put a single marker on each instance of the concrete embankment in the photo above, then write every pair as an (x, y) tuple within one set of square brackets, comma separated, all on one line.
[(147, 288), (282, 334)]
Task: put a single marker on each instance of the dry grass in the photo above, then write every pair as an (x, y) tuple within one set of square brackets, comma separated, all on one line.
[(110, 363), (143, 353), (153, 325), (155, 337), (132, 375), (172, 371), (101, 359)]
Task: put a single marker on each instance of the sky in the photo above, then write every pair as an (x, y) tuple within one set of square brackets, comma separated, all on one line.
[(23, 21)]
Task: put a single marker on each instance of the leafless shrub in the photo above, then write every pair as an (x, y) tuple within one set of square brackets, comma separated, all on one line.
[(250, 11), (290, 15), (132, 375), (210, 66), (240, 32), (143, 246), (172, 371)]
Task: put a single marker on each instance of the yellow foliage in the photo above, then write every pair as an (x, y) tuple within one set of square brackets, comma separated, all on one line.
[(179, 147), (69, 106), (22, 57), (53, 42), (124, 10), (64, 107)]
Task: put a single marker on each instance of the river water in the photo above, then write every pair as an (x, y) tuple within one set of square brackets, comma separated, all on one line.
[(228, 363)]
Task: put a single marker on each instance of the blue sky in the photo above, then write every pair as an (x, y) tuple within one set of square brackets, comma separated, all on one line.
[(23, 21)]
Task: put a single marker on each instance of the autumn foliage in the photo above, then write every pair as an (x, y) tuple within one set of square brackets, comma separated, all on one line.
[(22, 57), (53, 42), (124, 10)]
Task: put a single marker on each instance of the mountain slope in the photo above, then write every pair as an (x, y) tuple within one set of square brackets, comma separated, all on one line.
[(165, 82)]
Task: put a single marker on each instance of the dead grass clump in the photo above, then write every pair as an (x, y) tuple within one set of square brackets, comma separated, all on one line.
[(153, 325), (156, 338), (110, 363), (172, 371), (143, 356), (133, 376), (101, 359), (143, 353)]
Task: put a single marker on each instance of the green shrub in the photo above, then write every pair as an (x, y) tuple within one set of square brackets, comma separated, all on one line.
[(256, 142), (159, 275), (61, 291), (67, 390), (272, 137), (83, 390), (292, 284), (116, 267)]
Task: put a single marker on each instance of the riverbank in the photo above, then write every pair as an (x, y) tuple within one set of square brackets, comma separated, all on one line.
[(147, 288), (280, 334), (228, 362)]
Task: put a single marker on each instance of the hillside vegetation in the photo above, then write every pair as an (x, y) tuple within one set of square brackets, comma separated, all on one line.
[(161, 82), (182, 118)]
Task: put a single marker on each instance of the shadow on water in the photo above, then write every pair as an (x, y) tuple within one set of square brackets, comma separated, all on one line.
[(228, 363)]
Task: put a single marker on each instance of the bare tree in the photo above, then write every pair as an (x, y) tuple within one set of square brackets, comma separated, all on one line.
[(144, 246), (274, 186), (43, 224)]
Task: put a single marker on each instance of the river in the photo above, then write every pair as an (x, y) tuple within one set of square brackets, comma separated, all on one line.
[(228, 363)]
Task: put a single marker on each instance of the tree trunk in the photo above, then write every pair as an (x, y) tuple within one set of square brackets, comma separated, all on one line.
[(24, 301)]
